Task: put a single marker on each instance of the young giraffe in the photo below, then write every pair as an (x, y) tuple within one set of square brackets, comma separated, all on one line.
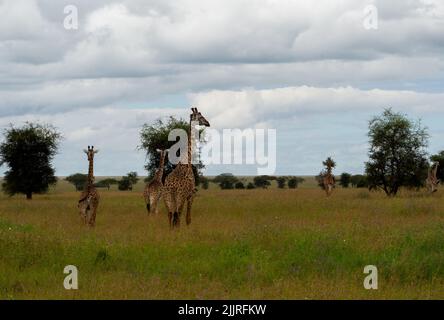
[(432, 180), (89, 199), (153, 190), (329, 181), (179, 185)]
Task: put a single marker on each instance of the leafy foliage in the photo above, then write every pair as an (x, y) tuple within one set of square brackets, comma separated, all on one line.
[(293, 182), (359, 181), (239, 185), (28, 152), (127, 182), (281, 181), (397, 153), (345, 180), (263, 181), (106, 183), (78, 180), (226, 181)]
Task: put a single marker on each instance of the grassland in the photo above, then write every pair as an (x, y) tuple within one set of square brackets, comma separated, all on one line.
[(265, 244)]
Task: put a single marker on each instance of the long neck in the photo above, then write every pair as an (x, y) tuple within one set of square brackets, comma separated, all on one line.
[(435, 170), (159, 172), (91, 172), (189, 145)]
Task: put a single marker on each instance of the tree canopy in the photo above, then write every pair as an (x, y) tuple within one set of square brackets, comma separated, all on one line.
[(78, 180), (397, 155), (27, 152)]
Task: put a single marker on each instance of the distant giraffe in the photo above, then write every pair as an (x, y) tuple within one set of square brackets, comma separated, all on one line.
[(329, 183), (153, 190), (179, 185), (328, 179), (432, 180), (89, 199)]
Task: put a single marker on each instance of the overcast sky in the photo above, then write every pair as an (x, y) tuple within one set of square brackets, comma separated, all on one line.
[(309, 69)]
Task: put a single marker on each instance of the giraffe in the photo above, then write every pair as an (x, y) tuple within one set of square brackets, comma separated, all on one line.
[(89, 199), (432, 181), (179, 186), (153, 190), (328, 180)]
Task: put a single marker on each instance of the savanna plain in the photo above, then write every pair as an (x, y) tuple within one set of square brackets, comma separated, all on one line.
[(241, 244)]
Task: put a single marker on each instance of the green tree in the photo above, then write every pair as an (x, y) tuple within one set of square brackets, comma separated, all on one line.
[(345, 180), (397, 155), (106, 183), (28, 152), (281, 181), (250, 186), (263, 181), (155, 136), (439, 157), (359, 181), (78, 180), (204, 182), (133, 178), (293, 182), (239, 185), (127, 182), (226, 181)]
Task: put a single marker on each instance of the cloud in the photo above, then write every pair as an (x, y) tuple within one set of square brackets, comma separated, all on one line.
[(247, 107), (244, 63)]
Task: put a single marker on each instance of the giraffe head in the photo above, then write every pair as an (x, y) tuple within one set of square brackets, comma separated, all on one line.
[(197, 117), (162, 153), (90, 153)]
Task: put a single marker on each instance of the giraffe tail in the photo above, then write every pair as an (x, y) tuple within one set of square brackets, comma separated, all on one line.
[(148, 207)]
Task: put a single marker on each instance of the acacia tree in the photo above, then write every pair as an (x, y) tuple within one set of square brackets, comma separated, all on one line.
[(397, 155), (345, 179), (28, 152), (155, 136), (78, 180)]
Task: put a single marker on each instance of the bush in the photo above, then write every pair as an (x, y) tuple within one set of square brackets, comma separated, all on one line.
[(250, 186), (226, 181), (239, 185), (293, 182), (281, 182)]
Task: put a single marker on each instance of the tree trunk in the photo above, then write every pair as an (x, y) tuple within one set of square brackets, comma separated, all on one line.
[(29, 196)]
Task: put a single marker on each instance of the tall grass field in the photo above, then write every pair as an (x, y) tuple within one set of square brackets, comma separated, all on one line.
[(242, 244)]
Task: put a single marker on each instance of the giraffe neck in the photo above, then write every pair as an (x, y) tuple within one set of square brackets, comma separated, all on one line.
[(91, 173), (435, 171), (159, 172), (189, 146)]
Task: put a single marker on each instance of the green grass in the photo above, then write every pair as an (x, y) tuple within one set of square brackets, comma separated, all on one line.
[(242, 244)]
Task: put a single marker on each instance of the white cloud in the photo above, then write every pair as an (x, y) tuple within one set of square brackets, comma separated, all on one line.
[(247, 107)]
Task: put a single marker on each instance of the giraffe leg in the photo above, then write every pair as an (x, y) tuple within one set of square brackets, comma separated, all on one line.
[(189, 205), (93, 210), (176, 219), (153, 203), (170, 217), (157, 202), (169, 203)]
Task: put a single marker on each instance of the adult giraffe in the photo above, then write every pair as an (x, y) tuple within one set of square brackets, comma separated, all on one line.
[(180, 187), (89, 199), (153, 190)]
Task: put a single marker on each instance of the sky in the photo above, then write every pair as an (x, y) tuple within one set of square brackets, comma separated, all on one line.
[(312, 70)]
